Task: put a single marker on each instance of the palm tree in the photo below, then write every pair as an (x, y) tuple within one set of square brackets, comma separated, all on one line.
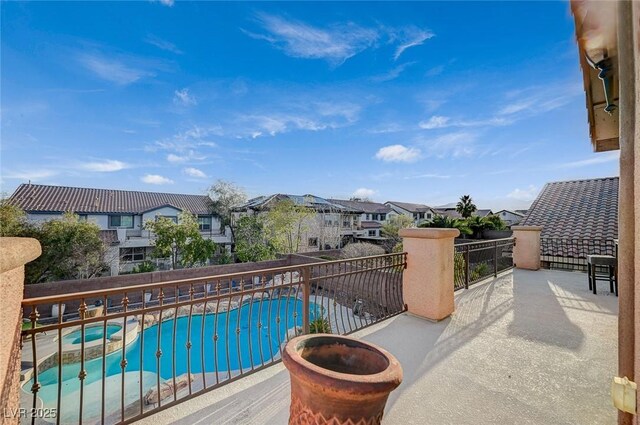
[(444, 222), (465, 206)]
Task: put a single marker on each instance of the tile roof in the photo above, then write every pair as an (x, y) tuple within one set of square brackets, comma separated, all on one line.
[(44, 198), (578, 209), (311, 201), (363, 206), (410, 207)]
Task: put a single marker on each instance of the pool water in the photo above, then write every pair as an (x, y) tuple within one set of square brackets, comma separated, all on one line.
[(240, 344), (91, 333)]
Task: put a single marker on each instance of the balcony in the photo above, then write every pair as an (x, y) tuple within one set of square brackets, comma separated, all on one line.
[(533, 345), (207, 348)]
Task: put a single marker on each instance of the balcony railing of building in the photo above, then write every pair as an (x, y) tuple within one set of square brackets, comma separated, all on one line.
[(124, 353), (476, 261), (571, 254)]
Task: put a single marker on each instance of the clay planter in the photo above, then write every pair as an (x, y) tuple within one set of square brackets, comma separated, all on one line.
[(338, 380)]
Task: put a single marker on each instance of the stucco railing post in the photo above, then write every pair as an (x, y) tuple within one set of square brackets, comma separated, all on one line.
[(526, 252), (14, 254), (427, 282)]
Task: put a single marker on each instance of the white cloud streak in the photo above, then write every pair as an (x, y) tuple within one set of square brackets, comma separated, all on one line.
[(398, 153), (162, 44), (596, 159), (155, 179), (364, 193), (195, 173), (105, 166), (184, 98), (527, 194), (411, 37)]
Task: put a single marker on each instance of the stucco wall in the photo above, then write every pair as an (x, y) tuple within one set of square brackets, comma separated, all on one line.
[(14, 254)]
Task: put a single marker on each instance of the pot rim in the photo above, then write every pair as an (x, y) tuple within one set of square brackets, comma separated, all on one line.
[(383, 381)]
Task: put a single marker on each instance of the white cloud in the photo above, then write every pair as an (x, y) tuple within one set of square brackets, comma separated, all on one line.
[(184, 98), (398, 153), (411, 37), (435, 121), (188, 139), (168, 3), (162, 44), (392, 74), (438, 121), (456, 144), (30, 175), (536, 100), (155, 179), (194, 172), (600, 158), (114, 69), (428, 176), (528, 194), (364, 193), (105, 166), (188, 156), (301, 40)]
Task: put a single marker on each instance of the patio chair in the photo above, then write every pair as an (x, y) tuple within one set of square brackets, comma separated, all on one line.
[(597, 262)]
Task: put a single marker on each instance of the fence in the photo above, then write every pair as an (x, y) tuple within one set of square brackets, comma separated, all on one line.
[(571, 254), (125, 353), (476, 261)]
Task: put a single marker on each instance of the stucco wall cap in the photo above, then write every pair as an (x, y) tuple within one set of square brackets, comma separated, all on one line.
[(527, 228), (16, 252), (429, 233)]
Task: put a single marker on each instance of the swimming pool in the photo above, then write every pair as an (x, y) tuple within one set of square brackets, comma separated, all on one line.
[(235, 340), (91, 333)]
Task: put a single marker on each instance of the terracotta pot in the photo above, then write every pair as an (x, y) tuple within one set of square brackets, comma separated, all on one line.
[(338, 380)]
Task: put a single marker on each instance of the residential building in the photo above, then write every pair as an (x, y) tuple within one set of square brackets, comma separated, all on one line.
[(332, 225), (577, 209), (121, 215), (418, 212), (510, 217), (453, 213), (372, 216)]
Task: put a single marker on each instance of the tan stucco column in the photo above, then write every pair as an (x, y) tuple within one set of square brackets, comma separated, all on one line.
[(526, 252), (14, 254), (427, 283)]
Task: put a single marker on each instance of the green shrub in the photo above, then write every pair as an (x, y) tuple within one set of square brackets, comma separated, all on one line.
[(144, 267), (319, 325)]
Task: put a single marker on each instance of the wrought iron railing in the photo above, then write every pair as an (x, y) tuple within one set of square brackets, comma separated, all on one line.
[(571, 254), (120, 354), (476, 261)]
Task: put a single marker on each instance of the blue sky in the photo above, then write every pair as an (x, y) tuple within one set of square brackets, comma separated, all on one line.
[(418, 102)]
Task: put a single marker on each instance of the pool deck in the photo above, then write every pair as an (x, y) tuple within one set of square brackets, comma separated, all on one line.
[(533, 346)]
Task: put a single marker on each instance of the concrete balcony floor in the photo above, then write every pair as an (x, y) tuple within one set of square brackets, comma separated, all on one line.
[(526, 348)]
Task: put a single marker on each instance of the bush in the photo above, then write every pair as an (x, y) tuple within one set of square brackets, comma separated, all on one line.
[(319, 325), (145, 267), (360, 249)]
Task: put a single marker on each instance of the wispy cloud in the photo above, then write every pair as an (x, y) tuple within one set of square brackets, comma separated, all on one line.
[(364, 193), (188, 156), (411, 37), (118, 69), (398, 153), (168, 3), (596, 159), (535, 100), (189, 139), (195, 173), (334, 43), (184, 98), (162, 44), (428, 176), (455, 144), (30, 175), (155, 179), (392, 74), (104, 166), (438, 121), (527, 194)]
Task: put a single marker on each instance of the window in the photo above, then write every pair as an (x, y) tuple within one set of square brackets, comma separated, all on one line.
[(132, 254), (313, 241), (328, 223), (82, 217), (372, 233), (368, 216), (429, 216), (346, 223), (204, 223), (125, 221), (504, 214), (383, 217), (173, 218), (421, 215)]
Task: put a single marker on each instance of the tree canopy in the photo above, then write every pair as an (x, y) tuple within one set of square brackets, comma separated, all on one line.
[(465, 206), (251, 241), (181, 242), (285, 224)]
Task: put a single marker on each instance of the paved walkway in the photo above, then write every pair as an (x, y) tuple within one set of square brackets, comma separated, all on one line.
[(527, 348)]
